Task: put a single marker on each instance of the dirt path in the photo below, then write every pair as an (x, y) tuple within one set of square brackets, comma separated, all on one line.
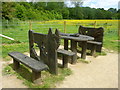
[(10, 81), (102, 72)]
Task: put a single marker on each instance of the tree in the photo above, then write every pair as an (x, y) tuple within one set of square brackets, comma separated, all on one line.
[(20, 12), (112, 10), (54, 5), (118, 13), (8, 10)]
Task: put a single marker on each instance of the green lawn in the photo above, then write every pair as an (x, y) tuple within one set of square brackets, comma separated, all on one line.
[(20, 32)]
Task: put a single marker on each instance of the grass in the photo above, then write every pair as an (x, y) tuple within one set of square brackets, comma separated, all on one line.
[(102, 53), (20, 34), (18, 47), (84, 61), (48, 80)]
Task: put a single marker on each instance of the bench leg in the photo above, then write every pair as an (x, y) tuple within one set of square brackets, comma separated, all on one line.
[(93, 50), (16, 64), (65, 44), (84, 47), (65, 61), (36, 77), (74, 49)]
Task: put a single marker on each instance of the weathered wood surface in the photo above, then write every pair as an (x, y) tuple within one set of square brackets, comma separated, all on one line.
[(74, 49), (66, 56), (16, 64), (30, 62), (94, 42), (33, 54), (97, 33), (65, 52), (48, 44), (65, 61), (75, 38), (76, 35), (36, 77), (93, 50), (66, 43), (52, 52), (84, 47)]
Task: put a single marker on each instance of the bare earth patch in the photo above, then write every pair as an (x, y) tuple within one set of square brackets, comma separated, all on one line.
[(102, 72), (12, 82)]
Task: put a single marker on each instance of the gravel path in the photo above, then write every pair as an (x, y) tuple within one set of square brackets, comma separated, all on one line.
[(102, 72)]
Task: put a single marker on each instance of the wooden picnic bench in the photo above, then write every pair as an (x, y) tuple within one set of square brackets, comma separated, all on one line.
[(97, 33), (48, 47), (66, 56), (74, 38), (48, 44), (36, 66)]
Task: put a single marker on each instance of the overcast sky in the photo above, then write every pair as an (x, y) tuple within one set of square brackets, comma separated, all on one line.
[(106, 4)]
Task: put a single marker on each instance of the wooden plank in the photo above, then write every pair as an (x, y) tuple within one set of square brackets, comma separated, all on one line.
[(73, 38), (57, 38), (30, 25), (52, 53), (93, 50), (64, 26), (95, 24), (94, 42), (81, 38), (41, 40), (74, 49), (6, 37), (65, 52), (33, 54), (30, 62), (65, 44), (16, 64), (36, 77), (65, 61), (84, 47)]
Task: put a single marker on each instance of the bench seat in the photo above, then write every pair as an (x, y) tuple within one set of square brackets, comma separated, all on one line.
[(94, 42), (28, 61), (65, 52), (36, 66), (66, 56)]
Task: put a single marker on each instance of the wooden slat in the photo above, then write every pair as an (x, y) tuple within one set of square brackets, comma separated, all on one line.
[(94, 42), (65, 52), (74, 38), (52, 53)]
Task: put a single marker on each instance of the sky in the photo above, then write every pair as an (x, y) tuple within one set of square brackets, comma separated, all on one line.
[(106, 4)]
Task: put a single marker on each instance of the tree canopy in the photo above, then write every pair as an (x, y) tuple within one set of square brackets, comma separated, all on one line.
[(54, 10)]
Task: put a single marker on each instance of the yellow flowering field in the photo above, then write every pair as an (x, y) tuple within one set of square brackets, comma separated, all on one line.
[(110, 29)]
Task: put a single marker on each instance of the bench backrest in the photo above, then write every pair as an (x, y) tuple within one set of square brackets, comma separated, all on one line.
[(48, 45), (97, 33)]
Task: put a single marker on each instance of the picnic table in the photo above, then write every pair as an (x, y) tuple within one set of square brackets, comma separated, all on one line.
[(74, 38)]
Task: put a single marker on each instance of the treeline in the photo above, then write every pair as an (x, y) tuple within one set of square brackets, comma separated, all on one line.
[(54, 10)]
